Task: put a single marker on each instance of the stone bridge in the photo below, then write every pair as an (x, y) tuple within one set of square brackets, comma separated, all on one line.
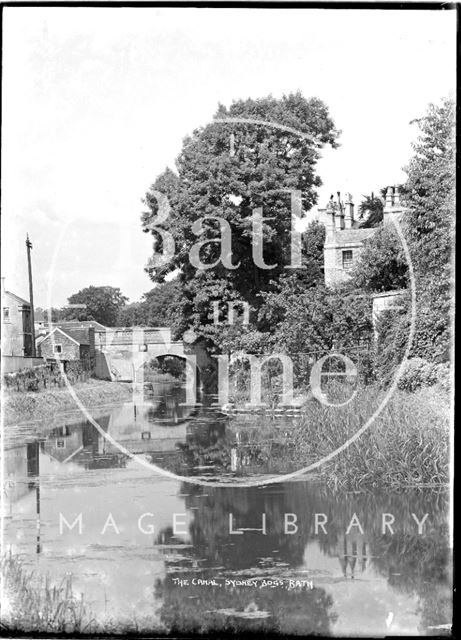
[(121, 352)]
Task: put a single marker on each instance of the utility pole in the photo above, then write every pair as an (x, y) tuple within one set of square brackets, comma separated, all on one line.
[(31, 294)]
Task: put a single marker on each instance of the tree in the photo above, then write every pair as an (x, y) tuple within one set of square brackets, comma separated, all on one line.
[(159, 307), (132, 315), (228, 170), (102, 305), (429, 192), (371, 210), (429, 226), (48, 315), (381, 265)]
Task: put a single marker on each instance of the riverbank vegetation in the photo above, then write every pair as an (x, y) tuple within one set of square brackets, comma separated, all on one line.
[(294, 313), (36, 604), (23, 406), (31, 603), (406, 446)]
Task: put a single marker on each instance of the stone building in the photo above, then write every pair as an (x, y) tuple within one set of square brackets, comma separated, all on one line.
[(82, 332), (69, 344), (344, 238), (17, 332)]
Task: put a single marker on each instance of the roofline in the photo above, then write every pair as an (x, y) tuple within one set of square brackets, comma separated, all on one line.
[(10, 293), (63, 333), (81, 322), (138, 327)]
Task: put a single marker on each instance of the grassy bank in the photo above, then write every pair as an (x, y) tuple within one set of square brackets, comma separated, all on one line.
[(23, 406), (406, 446)]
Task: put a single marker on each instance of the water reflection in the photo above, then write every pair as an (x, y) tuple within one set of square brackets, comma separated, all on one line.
[(329, 566)]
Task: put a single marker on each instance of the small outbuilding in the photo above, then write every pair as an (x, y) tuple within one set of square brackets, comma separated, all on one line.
[(69, 344)]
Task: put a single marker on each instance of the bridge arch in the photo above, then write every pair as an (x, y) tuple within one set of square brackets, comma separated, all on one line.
[(120, 351), (190, 360)]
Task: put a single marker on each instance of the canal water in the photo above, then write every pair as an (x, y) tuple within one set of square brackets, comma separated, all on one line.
[(149, 552)]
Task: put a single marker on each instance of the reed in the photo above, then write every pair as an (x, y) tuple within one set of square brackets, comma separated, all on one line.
[(34, 603), (406, 446)]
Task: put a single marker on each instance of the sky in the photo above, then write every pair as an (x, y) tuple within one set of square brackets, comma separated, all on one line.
[(97, 101)]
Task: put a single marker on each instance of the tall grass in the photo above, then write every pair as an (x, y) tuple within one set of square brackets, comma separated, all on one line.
[(408, 445), (33, 603)]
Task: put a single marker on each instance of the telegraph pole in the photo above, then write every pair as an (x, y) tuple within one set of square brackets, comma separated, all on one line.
[(31, 294)]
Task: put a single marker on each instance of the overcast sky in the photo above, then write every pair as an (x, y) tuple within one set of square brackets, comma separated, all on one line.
[(96, 103)]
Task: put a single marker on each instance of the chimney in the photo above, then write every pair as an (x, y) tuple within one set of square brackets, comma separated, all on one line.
[(349, 215), (339, 217), (389, 198), (330, 212), (393, 207)]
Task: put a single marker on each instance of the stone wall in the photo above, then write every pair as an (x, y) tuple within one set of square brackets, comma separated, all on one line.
[(70, 350)]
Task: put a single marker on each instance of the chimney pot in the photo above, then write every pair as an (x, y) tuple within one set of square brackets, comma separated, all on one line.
[(389, 197)]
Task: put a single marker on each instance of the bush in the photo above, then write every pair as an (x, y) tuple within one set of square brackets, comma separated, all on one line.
[(419, 373)]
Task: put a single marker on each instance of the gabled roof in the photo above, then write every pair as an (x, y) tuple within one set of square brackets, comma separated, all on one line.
[(18, 298), (80, 335), (68, 334), (80, 324)]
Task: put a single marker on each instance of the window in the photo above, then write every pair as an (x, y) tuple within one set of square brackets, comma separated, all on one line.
[(6, 314), (60, 444), (58, 348), (347, 259)]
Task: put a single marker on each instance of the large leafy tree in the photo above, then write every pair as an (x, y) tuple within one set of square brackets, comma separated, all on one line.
[(429, 225), (102, 304), (429, 228), (228, 169), (260, 336), (429, 193)]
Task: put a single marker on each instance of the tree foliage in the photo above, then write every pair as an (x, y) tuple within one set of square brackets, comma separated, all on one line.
[(428, 226), (382, 265), (159, 307), (102, 305), (228, 169), (371, 210)]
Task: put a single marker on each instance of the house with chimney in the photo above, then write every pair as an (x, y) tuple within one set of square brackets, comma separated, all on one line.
[(344, 237)]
